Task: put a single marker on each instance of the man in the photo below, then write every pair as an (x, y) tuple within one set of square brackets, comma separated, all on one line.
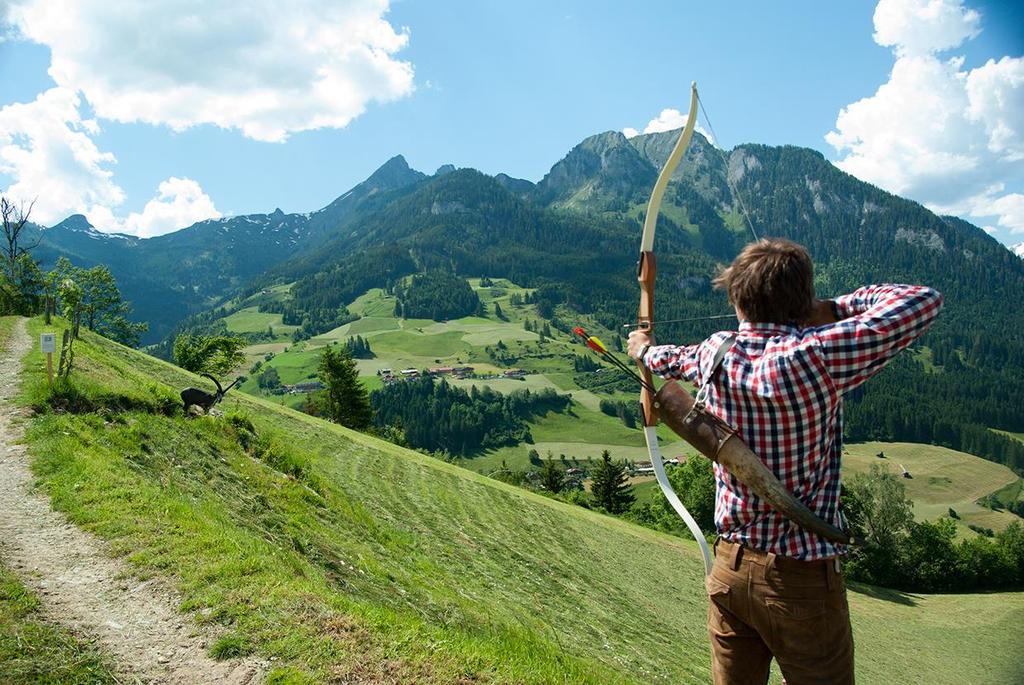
[(776, 589)]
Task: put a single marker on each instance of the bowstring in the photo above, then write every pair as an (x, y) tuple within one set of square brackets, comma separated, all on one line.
[(735, 193), (735, 190), (692, 318)]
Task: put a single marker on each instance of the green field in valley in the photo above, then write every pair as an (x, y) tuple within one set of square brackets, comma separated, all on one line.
[(348, 558), (420, 343), (251, 320), (944, 478), (941, 479)]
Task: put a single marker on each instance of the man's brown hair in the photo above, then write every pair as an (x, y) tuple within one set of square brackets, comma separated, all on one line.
[(771, 281)]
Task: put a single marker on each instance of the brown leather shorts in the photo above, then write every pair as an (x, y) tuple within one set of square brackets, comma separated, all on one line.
[(764, 605)]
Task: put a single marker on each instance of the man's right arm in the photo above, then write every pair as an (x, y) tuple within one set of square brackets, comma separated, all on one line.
[(878, 321)]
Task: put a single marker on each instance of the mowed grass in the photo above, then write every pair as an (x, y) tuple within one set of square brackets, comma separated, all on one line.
[(33, 651), (942, 479), (373, 302), (581, 432), (347, 558), (251, 320)]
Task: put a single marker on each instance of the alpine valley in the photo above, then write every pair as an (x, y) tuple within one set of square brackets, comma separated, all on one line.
[(571, 241), (484, 513)]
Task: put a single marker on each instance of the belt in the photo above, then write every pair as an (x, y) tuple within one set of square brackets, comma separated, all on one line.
[(734, 553)]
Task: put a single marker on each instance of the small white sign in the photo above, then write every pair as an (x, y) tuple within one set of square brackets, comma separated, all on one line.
[(48, 341)]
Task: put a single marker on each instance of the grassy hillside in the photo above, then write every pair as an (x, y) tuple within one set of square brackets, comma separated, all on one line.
[(946, 478), (942, 479), (346, 557), (420, 343)]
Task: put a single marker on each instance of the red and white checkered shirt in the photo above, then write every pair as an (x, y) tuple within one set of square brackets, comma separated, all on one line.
[(782, 387)]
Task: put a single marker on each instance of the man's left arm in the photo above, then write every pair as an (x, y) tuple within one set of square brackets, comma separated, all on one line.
[(666, 361)]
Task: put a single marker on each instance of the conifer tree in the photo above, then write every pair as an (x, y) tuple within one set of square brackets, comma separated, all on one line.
[(344, 400), (551, 477), (609, 485)]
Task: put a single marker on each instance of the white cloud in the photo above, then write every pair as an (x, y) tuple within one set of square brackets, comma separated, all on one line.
[(182, 63), (995, 92), (938, 132), (667, 120), (249, 66), (921, 27), (1006, 208), (179, 202), (47, 148)]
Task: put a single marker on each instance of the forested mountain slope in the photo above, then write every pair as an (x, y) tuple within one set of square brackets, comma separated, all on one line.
[(575, 235), (171, 276)]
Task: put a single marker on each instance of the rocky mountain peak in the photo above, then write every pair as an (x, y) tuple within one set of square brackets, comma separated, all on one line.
[(394, 173), (602, 165), (76, 222)]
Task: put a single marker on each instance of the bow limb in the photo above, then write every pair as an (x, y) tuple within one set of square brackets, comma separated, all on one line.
[(645, 319)]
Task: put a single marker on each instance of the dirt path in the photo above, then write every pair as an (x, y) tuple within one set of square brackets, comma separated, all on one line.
[(79, 585)]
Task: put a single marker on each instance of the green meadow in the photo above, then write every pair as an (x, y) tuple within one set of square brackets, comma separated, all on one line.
[(251, 320), (345, 557), (942, 479)]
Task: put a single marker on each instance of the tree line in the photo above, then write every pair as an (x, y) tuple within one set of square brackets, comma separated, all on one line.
[(84, 296), (435, 415), (437, 295), (923, 556)]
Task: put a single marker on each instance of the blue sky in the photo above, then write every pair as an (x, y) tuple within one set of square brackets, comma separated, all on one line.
[(178, 112)]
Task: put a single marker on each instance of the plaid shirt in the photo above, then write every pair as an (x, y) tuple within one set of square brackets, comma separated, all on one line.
[(782, 387)]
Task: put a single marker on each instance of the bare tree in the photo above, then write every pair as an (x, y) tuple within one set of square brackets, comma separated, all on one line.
[(19, 273), (15, 219)]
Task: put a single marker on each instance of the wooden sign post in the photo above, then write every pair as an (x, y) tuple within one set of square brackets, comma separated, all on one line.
[(48, 344)]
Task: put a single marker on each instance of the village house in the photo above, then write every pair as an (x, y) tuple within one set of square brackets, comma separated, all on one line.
[(304, 387)]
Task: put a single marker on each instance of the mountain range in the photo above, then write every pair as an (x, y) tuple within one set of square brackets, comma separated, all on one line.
[(607, 176), (573, 236), (171, 276)]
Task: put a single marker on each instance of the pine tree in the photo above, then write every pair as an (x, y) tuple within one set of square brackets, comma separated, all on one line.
[(609, 485), (694, 482), (551, 477), (498, 313), (345, 400)]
